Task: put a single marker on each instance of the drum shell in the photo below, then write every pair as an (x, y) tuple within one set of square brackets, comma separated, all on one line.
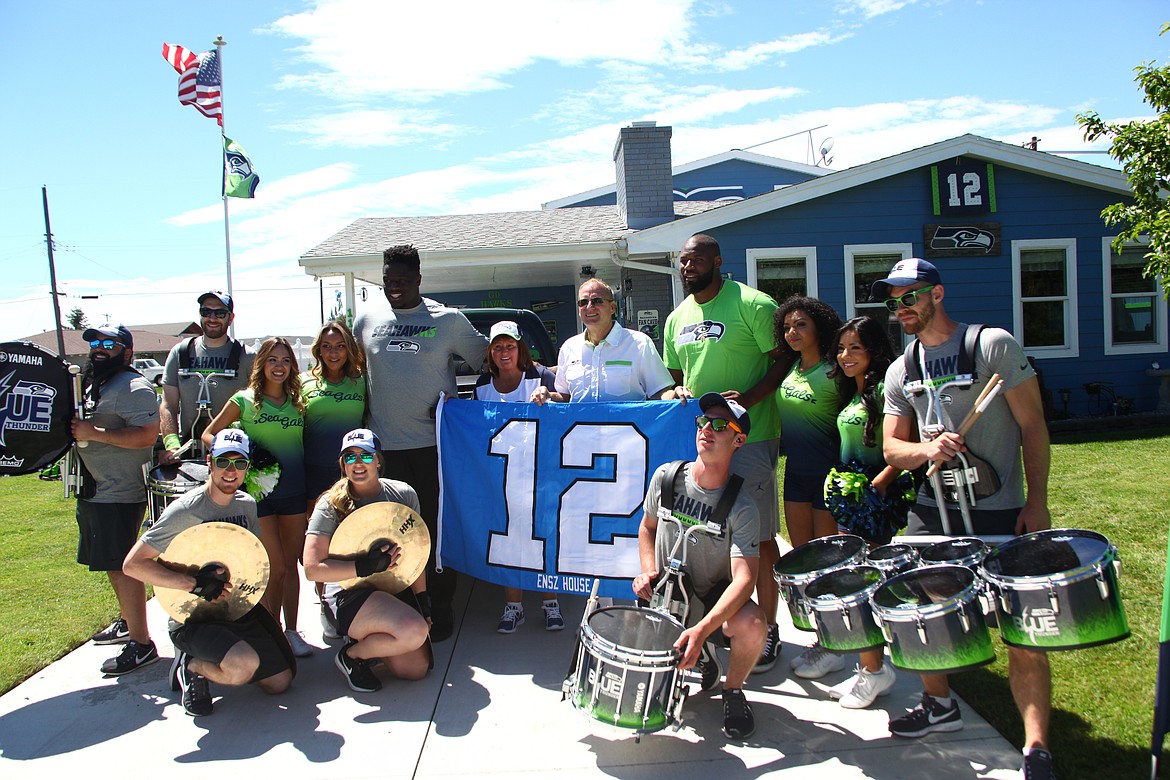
[(635, 690), (845, 622), (893, 558), (166, 483), (966, 551), (1070, 610), (948, 636), (834, 552)]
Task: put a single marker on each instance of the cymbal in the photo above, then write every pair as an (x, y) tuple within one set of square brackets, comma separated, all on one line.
[(230, 546), (390, 522)]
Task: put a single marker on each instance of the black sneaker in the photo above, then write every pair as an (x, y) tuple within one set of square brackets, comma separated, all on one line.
[(196, 691), (738, 721), (357, 671), (133, 656), (928, 716), (115, 633), (771, 651), (708, 667), (442, 621), (1038, 765)]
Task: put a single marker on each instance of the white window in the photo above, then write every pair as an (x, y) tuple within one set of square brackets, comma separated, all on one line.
[(783, 271), (864, 265), (1135, 311), (1044, 283)]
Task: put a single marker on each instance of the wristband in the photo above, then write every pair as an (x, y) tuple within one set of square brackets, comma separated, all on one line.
[(172, 441)]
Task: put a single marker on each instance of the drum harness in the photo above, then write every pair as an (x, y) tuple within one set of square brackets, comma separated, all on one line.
[(206, 382)]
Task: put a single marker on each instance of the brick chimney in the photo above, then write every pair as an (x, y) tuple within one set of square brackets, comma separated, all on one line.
[(645, 189)]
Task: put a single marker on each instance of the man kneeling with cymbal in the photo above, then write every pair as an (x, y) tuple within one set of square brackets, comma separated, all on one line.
[(227, 638)]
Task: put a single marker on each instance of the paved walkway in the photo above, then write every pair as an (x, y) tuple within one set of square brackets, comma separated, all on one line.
[(492, 707)]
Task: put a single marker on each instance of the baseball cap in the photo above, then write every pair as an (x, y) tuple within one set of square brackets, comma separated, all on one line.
[(904, 273), (709, 401), (505, 328), (110, 331), (231, 440), (224, 297), (363, 439)]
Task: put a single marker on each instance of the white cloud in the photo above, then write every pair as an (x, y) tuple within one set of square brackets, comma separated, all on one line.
[(271, 194), (373, 127), (760, 53), (872, 8)]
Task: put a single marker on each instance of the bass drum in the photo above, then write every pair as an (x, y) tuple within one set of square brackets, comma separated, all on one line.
[(800, 566), (1057, 590), (36, 407)]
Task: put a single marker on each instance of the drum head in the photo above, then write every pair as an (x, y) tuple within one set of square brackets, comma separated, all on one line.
[(1044, 553), (189, 473), (923, 587), (891, 552), (825, 553), (36, 405), (843, 582), (636, 628), (966, 548)]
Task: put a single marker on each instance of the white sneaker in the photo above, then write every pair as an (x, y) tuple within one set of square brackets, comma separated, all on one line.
[(818, 662), (868, 687), (300, 648), (845, 686)]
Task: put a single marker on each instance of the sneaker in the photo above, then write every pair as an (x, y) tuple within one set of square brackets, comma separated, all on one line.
[(553, 621), (1038, 765), (738, 721), (300, 648), (328, 623), (357, 671), (115, 633), (709, 669), (771, 651), (196, 696), (845, 686), (133, 656), (818, 662), (442, 620), (928, 716), (512, 619), (868, 686)]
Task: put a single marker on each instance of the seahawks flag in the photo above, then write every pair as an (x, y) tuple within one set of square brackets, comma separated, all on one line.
[(239, 177)]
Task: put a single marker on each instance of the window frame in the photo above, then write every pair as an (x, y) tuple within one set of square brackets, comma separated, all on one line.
[(1159, 345), (1071, 347), (807, 253)]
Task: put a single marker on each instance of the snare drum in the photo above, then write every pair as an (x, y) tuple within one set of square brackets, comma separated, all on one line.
[(1057, 590), (893, 558), (36, 406), (932, 619), (166, 483), (627, 672), (966, 551), (839, 603), (795, 570)]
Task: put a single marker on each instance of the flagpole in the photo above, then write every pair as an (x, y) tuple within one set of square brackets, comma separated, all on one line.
[(227, 236)]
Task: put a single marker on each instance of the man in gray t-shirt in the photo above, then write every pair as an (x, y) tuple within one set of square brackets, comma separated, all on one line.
[(722, 569), (1012, 424), (115, 436), (189, 364)]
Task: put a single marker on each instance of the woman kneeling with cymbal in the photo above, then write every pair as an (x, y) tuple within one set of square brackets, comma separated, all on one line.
[(375, 624)]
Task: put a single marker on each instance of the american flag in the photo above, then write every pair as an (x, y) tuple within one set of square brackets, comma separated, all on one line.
[(199, 79)]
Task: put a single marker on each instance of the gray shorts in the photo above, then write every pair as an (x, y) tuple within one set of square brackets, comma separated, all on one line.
[(756, 463)]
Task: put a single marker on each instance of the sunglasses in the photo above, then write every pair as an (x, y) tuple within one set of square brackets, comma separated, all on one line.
[(718, 424), (104, 344), (232, 464), (581, 304), (219, 314), (907, 300), (351, 458)]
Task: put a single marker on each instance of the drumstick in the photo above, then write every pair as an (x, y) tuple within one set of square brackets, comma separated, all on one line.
[(78, 402), (981, 405)]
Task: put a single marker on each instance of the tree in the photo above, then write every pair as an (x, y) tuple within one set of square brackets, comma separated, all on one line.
[(77, 319), (1143, 149)]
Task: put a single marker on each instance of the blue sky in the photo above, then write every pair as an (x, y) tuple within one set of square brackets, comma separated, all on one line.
[(355, 108)]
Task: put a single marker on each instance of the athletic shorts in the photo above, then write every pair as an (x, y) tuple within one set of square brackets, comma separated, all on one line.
[(756, 463), (293, 505), (347, 603), (805, 489), (924, 519), (318, 479), (106, 532), (211, 640)]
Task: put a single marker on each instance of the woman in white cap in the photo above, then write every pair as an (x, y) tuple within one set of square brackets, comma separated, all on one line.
[(375, 624), (514, 376)]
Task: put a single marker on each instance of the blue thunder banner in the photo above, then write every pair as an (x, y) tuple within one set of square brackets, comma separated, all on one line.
[(547, 498)]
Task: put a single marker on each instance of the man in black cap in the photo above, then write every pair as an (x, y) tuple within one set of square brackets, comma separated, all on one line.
[(115, 438), (187, 366)]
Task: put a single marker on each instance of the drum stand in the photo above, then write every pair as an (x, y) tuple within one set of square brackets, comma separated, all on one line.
[(203, 412), (663, 599), (936, 422)]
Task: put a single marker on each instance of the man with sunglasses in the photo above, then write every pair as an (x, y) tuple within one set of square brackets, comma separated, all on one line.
[(1012, 424), (250, 649), (115, 436), (213, 352), (721, 568)]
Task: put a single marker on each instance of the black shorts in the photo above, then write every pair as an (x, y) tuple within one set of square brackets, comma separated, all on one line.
[(925, 519), (805, 488), (211, 640), (349, 602), (318, 479), (106, 532), (292, 505)]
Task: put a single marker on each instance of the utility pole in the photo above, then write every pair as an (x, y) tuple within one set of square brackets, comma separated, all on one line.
[(53, 276)]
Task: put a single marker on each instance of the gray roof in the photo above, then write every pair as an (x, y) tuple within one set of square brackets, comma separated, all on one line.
[(583, 225)]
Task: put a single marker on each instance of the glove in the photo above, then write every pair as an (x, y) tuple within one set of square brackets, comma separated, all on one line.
[(209, 582), (424, 603), (373, 561)]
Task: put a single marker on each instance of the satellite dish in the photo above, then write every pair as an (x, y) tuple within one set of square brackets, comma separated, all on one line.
[(826, 147)]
